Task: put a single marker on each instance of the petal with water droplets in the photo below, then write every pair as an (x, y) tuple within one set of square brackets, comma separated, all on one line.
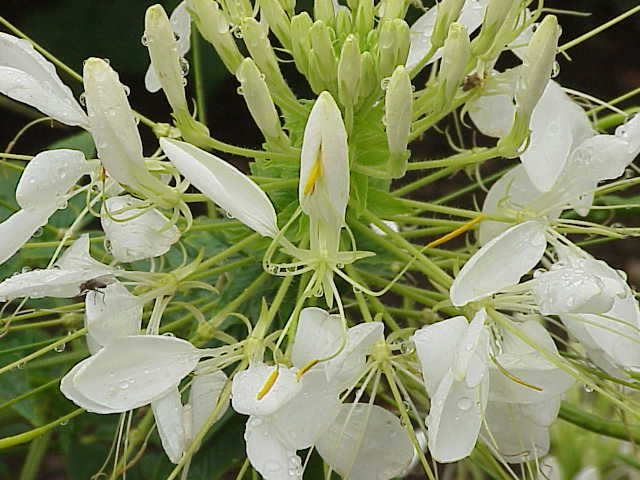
[(68, 389), (16, 230), (318, 336), (167, 411), (268, 454), (203, 398)]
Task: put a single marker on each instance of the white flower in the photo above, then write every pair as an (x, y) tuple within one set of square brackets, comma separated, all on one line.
[(26, 76), (135, 232)]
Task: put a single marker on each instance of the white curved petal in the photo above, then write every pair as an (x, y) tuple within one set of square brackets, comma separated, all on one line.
[(630, 132), (513, 191), (49, 176), (455, 417), (251, 383), (318, 336), (364, 442), (436, 346), (26, 76), (167, 411), (111, 313), (494, 110), (203, 398), (515, 432), (538, 379), (500, 263), (136, 370), (181, 25), (223, 184), (307, 415), (133, 235), (77, 257), (16, 230), (68, 389), (549, 469), (50, 282), (470, 363), (557, 125), (588, 473), (269, 456), (323, 191)]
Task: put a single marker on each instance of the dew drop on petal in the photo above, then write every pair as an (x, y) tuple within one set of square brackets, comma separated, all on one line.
[(465, 403)]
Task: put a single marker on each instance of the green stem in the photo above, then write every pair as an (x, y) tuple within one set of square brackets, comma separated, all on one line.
[(245, 242), (33, 461), (25, 437), (19, 398), (196, 43), (472, 157), (573, 414), (410, 187)]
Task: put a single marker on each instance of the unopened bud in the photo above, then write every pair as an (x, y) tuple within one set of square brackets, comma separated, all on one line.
[(163, 51), (538, 62), (323, 10), (344, 23), (237, 10), (256, 39), (455, 56), (278, 21), (392, 9), (263, 111), (495, 15), (398, 114), (369, 81), (393, 46), (300, 26), (349, 69), (364, 18), (214, 27), (447, 13), (322, 49)]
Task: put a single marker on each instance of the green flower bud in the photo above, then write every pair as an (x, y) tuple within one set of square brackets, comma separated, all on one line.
[(237, 10), (263, 111), (398, 114), (322, 38), (256, 39), (393, 45), (323, 11), (392, 9), (163, 50), (538, 62), (300, 26), (448, 12), (344, 23), (497, 12), (455, 56), (369, 82), (349, 68), (278, 21), (214, 27), (364, 18)]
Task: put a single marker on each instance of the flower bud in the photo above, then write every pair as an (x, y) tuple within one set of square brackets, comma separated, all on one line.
[(535, 74), (398, 114), (392, 9), (278, 21), (215, 29), (263, 111), (115, 132), (323, 10), (322, 51), (256, 38), (349, 69), (369, 82), (364, 18), (496, 13), (236, 10), (344, 23), (300, 26), (393, 46), (448, 12), (455, 56)]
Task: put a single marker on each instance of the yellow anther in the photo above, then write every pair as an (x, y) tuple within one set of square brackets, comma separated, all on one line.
[(315, 174), (306, 368), (511, 376), (268, 384), (458, 231)]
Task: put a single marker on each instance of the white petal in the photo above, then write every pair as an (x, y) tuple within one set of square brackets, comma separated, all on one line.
[(49, 176), (77, 257), (248, 384), (268, 455), (68, 389), (305, 417), (181, 25), (364, 442), (630, 131), (167, 411), (436, 346), (325, 141), (455, 418), (112, 313), (136, 370), (134, 235), (50, 282), (550, 469), (588, 473), (515, 435), (500, 263), (471, 357), (203, 398), (556, 126), (494, 110), (16, 230), (26, 76), (223, 184), (318, 336)]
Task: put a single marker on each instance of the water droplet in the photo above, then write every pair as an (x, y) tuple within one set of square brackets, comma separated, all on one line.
[(168, 334), (144, 40), (553, 128), (124, 385), (38, 232), (384, 83), (20, 366), (407, 347), (588, 388), (26, 269), (126, 89), (240, 91), (465, 403), (184, 66), (83, 99), (555, 70), (64, 422), (60, 348)]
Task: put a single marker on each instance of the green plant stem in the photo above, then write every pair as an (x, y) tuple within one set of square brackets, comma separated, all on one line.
[(233, 305), (19, 398), (432, 207), (25, 437), (460, 160), (33, 460), (14, 156), (588, 421), (245, 242), (198, 73), (410, 187)]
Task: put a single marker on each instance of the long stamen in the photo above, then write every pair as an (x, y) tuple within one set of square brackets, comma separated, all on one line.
[(511, 376), (268, 385), (458, 231), (306, 368)]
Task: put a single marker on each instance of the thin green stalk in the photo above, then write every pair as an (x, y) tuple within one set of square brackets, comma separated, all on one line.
[(14, 156), (245, 242), (33, 461), (19, 398), (472, 157), (593, 423), (421, 182), (198, 73), (432, 207), (25, 437)]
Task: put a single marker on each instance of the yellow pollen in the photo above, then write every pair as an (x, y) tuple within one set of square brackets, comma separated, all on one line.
[(305, 369), (511, 376), (314, 175), (458, 231), (268, 384)]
